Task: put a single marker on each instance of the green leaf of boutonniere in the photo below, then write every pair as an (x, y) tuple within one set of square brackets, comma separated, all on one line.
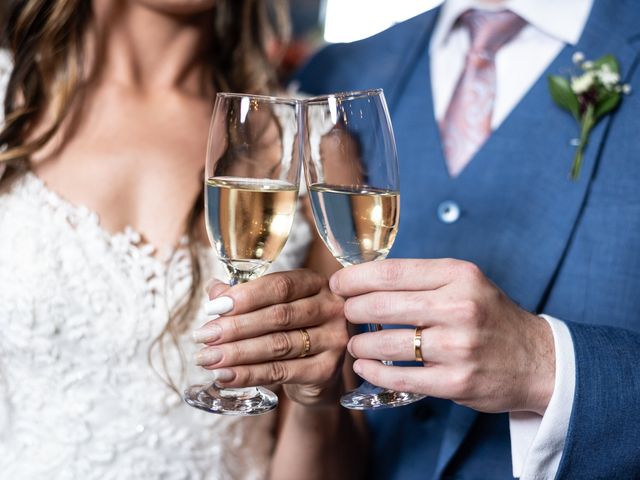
[(607, 105), (562, 94)]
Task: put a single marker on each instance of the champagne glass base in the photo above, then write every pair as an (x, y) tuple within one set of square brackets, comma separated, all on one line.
[(231, 401), (370, 397)]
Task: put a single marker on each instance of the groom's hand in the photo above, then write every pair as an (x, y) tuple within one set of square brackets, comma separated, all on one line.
[(479, 348)]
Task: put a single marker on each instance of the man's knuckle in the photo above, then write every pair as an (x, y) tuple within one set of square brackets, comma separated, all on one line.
[(400, 383), (470, 271), (450, 264), (470, 309), (380, 305), (461, 383), (421, 300), (467, 345), (390, 272), (388, 347)]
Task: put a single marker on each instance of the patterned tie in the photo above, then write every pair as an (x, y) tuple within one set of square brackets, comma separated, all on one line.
[(467, 122)]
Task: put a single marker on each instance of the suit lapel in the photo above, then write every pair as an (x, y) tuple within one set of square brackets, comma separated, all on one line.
[(527, 162)]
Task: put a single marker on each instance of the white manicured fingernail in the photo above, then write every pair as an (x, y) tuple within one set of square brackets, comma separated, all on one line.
[(208, 357), (218, 306), (223, 375), (209, 333)]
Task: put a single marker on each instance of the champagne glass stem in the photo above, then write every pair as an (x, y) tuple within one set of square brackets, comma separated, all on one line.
[(232, 401), (236, 278)]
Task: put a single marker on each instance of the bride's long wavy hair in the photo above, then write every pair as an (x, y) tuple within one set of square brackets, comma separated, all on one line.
[(46, 40)]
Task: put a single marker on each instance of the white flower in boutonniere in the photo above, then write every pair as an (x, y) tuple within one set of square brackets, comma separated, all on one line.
[(589, 95), (582, 83)]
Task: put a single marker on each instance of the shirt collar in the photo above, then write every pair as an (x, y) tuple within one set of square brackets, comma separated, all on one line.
[(561, 19)]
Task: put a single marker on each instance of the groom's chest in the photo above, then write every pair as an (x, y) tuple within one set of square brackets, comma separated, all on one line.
[(513, 211)]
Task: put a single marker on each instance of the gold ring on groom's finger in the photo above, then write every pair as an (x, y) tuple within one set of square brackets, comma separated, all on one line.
[(306, 342), (417, 344)]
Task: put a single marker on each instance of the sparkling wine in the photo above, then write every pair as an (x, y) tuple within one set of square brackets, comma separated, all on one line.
[(357, 225), (248, 221)]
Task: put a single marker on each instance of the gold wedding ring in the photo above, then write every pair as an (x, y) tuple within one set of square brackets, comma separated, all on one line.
[(417, 344), (306, 343)]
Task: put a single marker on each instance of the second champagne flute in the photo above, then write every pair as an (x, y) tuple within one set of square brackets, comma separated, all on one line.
[(352, 174), (252, 175)]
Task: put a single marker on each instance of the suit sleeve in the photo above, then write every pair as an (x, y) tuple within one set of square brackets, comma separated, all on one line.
[(603, 439)]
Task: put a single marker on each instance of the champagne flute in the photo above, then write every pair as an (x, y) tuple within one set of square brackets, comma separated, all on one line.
[(252, 175), (351, 170)]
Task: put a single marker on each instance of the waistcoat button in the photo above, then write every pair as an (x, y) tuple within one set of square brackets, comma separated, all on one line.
[(448, 212)]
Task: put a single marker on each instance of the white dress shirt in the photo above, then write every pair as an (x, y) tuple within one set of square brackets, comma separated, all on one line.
[(536, 441)]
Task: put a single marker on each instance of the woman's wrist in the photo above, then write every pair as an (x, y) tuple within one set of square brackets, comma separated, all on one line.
[(316, 398)]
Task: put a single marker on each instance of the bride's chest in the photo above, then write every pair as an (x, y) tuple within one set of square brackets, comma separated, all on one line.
[(71, 294)]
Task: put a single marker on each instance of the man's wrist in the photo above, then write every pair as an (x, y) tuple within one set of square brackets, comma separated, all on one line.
[(542, 366), (537, 442)]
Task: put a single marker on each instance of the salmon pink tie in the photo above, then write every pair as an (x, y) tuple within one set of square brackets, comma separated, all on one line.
[(467, 122)]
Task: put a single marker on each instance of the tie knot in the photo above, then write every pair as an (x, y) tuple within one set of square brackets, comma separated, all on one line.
[(490, 30)]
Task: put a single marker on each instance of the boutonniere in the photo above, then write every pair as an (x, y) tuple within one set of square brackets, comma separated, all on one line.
[(592, 92)]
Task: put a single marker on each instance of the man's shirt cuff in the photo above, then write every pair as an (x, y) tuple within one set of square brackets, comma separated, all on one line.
[(537, 441)]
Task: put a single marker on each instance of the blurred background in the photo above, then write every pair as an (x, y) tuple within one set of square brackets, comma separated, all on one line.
[(317, 22), (349, 20)]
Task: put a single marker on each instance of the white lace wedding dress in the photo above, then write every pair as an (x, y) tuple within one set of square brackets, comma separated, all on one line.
[(79, 308)]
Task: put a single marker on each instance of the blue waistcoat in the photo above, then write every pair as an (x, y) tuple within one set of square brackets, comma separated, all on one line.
[(567, 248)]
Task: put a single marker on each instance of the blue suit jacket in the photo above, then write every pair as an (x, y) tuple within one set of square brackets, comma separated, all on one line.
[(570, 249)]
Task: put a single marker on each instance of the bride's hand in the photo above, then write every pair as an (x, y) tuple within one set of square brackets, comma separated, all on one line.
[(260, 337)]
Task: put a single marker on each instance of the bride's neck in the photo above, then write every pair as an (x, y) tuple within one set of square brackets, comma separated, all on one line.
[(139, 47)]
